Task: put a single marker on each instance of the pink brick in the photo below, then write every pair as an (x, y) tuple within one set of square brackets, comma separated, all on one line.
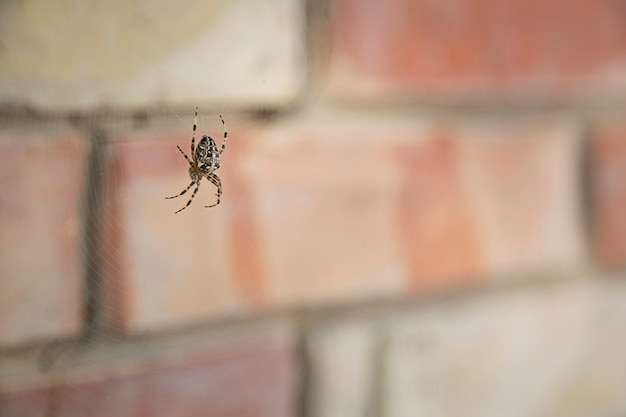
[(366, 209), (608, 194), (477, 47), (32, 402), (166, 268), (333, 211), (326, 207), (246, 384), (254, 380), (523, 182), (441, 240), (40, 262)]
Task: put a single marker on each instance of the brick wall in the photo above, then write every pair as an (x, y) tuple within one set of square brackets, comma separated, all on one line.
[(424, 209)]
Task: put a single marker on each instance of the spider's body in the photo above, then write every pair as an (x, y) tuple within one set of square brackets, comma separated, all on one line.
[(205, 161), (206, 156)]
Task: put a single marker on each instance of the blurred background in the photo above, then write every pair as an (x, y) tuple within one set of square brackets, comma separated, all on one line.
[(423, 208)]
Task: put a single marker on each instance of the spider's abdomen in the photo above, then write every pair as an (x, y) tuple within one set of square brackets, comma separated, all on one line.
[(207, 155)]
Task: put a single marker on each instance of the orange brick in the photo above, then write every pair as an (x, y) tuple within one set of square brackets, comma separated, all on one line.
[(40, 264), (608, 195), (476, 47)]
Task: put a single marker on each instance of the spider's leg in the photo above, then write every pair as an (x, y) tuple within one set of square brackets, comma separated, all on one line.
[(225, 135), (215, 180), (185, 155), (192, 196), (182, 192), (193, 135)]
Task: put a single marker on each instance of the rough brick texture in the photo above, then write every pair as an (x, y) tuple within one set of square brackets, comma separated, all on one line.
[(40, 263), (477, 48), (608, 194)]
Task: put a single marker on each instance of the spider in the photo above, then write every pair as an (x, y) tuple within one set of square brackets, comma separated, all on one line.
[(205, 161)]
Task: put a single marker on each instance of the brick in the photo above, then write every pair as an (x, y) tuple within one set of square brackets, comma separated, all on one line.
[(441, 241), (523, 183), (61, 58), (366, 209), (343, 375), (326, 207), (165, 269), (41, 175), (32, 402), (322, 211), (246, 378), (552, 350), (255, 384), (608, 195), (549, 350), (476, 48)]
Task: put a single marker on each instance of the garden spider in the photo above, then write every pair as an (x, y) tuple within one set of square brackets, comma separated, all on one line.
[(205, 161)]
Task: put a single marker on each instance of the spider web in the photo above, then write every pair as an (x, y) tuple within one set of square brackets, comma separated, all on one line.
[(109, 149), (108, 314), (116, 158), (54, 364)]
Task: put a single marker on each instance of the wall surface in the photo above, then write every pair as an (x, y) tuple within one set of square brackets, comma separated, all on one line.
[(423, 209)]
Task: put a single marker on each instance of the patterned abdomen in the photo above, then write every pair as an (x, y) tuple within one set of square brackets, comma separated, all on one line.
[(207, 155)]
